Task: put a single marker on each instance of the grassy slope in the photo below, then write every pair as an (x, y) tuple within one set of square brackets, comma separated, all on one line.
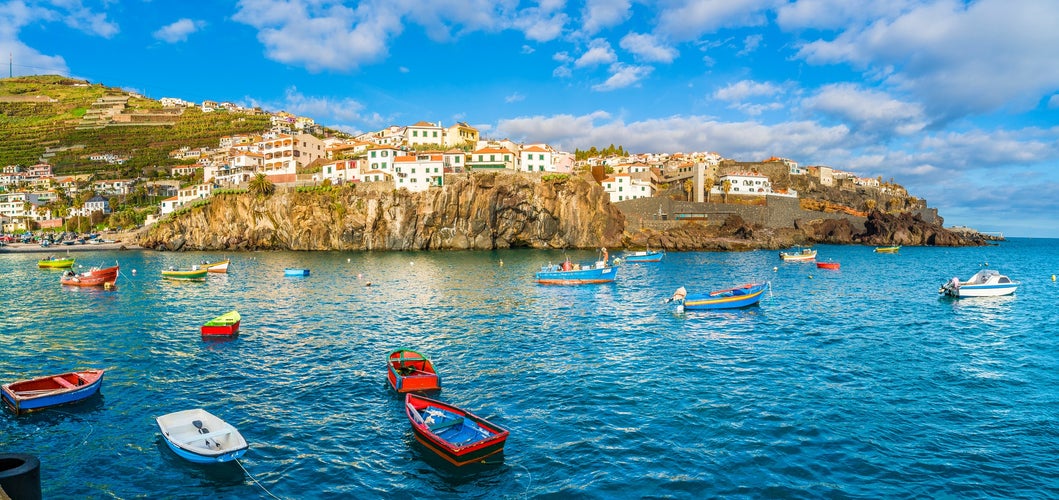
[(27, 128)]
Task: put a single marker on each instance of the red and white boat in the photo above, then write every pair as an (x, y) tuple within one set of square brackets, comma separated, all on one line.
[(93, 277)]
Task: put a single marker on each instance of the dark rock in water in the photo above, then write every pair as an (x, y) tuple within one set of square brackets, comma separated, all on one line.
[(910, 230)]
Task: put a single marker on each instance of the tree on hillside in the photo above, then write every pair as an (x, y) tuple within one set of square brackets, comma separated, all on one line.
[(689, 186), (261, 186), (726, 186)]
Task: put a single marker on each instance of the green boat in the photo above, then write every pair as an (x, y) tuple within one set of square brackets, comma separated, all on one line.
[(185, 274), (55, 263), (225, 324), (893, 249)]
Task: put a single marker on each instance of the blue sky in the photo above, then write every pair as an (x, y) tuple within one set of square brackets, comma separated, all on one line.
[(958, 101)]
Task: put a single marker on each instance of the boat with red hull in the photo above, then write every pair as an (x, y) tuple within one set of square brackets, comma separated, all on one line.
[(225, 325), (93, 277), (458, 436), (39, 393), (828, 265), (408, 371)]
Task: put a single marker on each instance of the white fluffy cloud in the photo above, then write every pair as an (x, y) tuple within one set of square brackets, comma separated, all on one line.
[(689, 19), (648, 48), (179, 30), (623, 75), (745, 89), (958, 58), (868, 110), (599, 52), (601, 14)]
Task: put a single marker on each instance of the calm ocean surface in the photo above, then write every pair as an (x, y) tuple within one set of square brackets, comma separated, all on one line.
[(857, 383)]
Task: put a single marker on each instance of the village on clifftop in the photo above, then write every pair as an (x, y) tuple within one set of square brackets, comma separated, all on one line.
[(414, 157)]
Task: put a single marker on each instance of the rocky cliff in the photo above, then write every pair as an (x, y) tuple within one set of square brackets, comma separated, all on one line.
[(478, 211)]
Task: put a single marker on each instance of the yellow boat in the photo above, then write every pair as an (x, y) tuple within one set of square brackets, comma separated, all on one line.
[(55, 263), (892, 249)]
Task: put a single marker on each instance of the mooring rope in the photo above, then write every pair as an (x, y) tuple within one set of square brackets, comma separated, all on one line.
[(255, 480)]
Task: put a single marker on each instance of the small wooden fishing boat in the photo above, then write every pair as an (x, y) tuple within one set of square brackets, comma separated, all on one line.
[(828, 265), (56, 263), (732, 298), (226, 325), (985, 283), (644, 256), (805, 255), (72, 279), (569, 273), (199, 436), (295, 272), (194, 274), (408, 370), (51, 390), (107, 273), (220, 266), (893, 249), (458, 436)]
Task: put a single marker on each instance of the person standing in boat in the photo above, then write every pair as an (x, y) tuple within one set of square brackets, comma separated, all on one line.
[(604, 250)]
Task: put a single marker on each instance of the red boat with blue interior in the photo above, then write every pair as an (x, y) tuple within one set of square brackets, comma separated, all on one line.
[(458, 436), (39, 393), (408, 370)]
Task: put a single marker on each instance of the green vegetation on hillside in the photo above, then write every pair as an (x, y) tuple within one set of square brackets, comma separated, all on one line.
[(42, 112)]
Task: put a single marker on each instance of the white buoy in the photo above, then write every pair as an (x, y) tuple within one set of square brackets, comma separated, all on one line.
[(775, 268), (347, 260), (133, 271)]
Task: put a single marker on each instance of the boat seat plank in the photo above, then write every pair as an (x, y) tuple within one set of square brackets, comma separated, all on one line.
[(208, 435), (446, 424), (61, 381)]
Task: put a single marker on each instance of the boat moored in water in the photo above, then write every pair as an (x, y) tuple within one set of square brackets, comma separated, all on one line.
[(984, 283), (39, 393), (805, 255), (201, 437), (458, 436), (408, 370), (731, 298)]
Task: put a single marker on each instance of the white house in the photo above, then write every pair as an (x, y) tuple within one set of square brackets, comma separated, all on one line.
[(747, 183), (491, 158), (381, 158), (454, 160), (169, 205), (622, 187), (285, 153), (424, 133), (419, 172), (536, 158)]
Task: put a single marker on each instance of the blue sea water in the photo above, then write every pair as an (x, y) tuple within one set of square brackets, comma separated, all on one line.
[(856, 383)]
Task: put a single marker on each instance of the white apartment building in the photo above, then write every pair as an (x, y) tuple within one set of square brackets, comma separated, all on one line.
[(285, 153), (419, 172), (622, 187)]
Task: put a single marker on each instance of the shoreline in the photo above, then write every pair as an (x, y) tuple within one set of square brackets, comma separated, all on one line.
[(119, 244)]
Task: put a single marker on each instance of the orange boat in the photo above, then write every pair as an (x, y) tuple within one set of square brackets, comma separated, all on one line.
[(827, 265)]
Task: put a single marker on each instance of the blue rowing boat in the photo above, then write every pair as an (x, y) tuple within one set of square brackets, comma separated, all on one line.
[(295, 272), (732, 298), (201, 437), (644, 256)]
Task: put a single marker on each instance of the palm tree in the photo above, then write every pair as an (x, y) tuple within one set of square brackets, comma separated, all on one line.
[(688, 187), (260, 185), (709, 187), (726, 186)]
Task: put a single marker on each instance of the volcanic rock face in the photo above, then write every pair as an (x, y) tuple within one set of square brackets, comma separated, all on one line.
[(908, 229), (478, 211)]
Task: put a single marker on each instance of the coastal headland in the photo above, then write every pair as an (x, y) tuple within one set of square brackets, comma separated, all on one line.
[(485, 211)]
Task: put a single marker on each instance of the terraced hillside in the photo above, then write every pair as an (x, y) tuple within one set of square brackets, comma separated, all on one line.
[(65, 121)]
